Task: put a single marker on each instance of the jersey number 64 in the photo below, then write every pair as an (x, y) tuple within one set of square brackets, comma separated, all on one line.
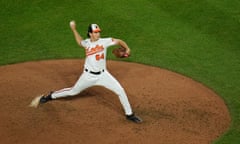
[(99, 56)]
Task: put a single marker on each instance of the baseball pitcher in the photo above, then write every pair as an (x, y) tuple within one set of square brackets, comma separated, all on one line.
[(95, 72)]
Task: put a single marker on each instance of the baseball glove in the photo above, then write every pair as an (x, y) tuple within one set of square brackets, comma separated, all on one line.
[(120, 52)]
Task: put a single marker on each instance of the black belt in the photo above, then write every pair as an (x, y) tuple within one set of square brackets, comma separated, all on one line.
[(95, 73)]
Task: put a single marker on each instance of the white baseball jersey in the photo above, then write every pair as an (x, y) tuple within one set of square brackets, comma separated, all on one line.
[(96, 53)]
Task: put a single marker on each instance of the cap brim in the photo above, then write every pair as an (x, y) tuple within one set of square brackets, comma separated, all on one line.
[(97, 30)]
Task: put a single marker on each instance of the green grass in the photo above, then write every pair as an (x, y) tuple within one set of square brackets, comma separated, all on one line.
[(199, 39)]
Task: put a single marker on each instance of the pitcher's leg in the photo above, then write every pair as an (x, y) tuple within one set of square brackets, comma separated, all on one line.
[(83, 82), (109, 82)]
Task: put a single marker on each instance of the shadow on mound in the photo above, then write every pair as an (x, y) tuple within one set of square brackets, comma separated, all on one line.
[(175, 109)]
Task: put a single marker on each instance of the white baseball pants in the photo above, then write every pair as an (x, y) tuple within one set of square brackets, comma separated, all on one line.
[(104, 79)]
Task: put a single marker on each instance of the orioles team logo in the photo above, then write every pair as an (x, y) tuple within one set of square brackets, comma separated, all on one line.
[(95, 50)]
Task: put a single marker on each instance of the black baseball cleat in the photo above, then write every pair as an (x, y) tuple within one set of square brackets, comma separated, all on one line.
[(45, 98), (134, 118)]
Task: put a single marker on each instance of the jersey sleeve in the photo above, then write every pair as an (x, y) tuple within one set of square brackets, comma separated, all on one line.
[(110, 42), (84, 43)]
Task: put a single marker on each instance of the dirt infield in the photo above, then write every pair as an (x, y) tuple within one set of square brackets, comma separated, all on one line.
[(175, 109)]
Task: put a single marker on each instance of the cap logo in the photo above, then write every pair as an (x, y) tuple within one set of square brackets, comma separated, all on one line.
[(95, 28)]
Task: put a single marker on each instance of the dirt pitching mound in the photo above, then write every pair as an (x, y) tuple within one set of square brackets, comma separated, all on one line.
[(175, 109)]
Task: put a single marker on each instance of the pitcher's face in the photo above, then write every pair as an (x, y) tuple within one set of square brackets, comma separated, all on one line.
[(95, 36)]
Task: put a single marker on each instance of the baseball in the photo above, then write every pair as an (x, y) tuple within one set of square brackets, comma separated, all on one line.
[(72, 23)]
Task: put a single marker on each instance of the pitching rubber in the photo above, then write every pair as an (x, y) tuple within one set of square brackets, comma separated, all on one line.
[(35, 102)]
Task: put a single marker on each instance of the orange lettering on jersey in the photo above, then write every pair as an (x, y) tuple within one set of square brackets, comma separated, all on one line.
[(94, 50), (99, 56)]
